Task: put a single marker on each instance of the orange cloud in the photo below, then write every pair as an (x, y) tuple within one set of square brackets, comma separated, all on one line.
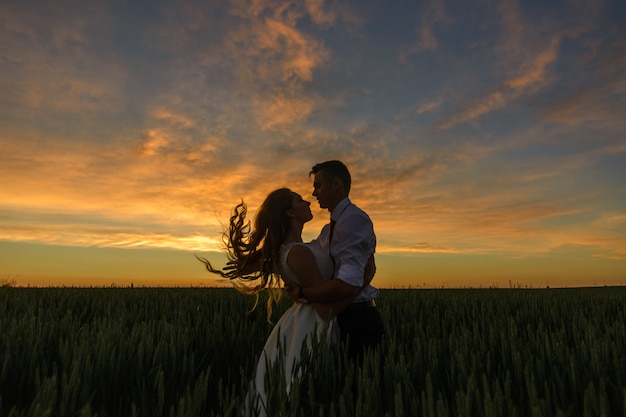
[(533, 76), (602, 100), (483, 105), (535, 72), (280, 110), (320, 12), (171, 117), (433, 15), (156, 140), (429, 106)]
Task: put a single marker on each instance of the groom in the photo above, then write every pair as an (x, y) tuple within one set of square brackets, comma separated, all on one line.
[(350, 240)]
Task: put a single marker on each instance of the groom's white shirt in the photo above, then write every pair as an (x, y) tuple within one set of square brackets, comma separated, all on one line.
[(353, 243)]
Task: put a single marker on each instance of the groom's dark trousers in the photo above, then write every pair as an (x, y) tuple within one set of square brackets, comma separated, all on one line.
[(360, 327)]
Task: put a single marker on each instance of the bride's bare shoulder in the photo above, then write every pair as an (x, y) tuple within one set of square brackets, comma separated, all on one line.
[(300, 256)]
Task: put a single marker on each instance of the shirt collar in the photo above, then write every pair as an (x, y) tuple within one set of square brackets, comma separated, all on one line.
[(336, 213)]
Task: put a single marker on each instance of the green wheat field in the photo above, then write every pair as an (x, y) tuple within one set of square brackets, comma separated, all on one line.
[(191, 352)]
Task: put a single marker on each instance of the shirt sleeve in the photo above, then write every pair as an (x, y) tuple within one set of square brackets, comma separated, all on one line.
[(353, 243)]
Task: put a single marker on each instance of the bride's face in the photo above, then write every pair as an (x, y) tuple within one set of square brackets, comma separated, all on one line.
[(300, 208)]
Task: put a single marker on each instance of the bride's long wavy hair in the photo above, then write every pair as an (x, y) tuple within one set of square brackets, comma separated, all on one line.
[(254, 253)]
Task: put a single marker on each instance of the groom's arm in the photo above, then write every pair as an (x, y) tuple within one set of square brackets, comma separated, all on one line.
[(328, 292), (327, 309), (336, 295), (334, 290)]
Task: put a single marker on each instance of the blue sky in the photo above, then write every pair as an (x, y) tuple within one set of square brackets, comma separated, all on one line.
[(487, 139)]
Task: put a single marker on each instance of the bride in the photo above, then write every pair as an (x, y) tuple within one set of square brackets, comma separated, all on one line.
[(263, 256)]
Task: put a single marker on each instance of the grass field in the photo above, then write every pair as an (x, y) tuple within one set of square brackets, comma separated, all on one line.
[(190, 352)]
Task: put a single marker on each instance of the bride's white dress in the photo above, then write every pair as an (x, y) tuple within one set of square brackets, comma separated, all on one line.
[(294, 330)]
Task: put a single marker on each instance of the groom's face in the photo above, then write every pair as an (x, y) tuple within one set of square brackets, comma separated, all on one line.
[(323, 190)]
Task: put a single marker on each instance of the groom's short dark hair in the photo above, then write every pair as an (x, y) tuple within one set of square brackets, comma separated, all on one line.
[(334, 169)]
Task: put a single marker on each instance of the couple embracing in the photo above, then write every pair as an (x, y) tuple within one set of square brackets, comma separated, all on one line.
[(328, 278)]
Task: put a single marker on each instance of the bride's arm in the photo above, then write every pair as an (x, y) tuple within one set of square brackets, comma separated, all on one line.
[(302, 262)]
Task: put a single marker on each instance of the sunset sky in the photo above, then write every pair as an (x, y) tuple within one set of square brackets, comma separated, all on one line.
[(486, 139)]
